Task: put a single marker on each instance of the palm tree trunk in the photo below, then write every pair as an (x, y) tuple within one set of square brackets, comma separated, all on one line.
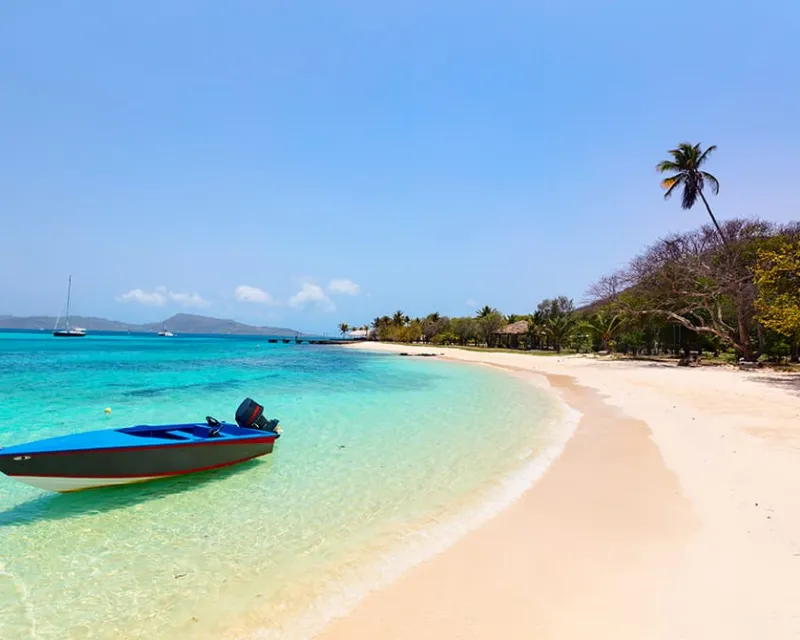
[(713, 219)]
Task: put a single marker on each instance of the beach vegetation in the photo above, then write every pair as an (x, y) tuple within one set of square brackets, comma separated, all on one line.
[(777, 276), (690, 296)]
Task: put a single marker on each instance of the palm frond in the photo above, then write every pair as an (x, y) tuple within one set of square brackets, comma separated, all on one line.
[(688, 150), (670, 183), (707, 177), (703, 156), (667, 165), (678, 155)]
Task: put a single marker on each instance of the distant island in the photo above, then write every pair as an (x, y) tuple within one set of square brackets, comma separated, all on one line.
[(179, 323)]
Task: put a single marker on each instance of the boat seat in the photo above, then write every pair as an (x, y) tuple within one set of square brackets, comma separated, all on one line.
[(202, 431)]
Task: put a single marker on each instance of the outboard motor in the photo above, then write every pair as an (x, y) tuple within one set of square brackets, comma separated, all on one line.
[(250, 415)]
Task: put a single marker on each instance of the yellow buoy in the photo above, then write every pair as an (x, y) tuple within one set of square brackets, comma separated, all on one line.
[(108, 410)]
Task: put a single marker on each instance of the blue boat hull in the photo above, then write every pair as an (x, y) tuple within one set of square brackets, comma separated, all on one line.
[(137, 454)]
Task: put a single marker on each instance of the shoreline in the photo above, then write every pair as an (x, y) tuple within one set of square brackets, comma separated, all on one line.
[(643, 515), (462, 515)]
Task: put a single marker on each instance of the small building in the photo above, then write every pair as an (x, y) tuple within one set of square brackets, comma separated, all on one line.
[(508, 336), (360, 334)]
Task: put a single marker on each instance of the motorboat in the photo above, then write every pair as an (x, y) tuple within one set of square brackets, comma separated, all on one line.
[(140, 453)]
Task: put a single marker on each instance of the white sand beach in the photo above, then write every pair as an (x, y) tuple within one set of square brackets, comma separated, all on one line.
[(674, 512)]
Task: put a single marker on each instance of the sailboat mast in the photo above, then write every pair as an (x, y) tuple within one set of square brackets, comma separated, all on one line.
[(69, 291)]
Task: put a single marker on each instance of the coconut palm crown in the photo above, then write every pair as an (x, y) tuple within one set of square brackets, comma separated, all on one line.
[(685, 166)]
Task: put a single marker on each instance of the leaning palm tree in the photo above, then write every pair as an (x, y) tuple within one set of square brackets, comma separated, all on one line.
[(685, 165)]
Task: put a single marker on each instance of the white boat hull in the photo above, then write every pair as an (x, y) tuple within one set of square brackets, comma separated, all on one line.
[(66, 485)]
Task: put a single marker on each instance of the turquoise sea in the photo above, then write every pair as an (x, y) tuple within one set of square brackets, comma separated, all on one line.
[(383, 460)]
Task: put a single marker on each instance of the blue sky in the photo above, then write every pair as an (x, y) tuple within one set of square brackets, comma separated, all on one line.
[(342, 160)]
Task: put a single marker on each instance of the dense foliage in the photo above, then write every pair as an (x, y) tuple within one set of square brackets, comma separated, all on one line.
[(684, 295), (777, 276)]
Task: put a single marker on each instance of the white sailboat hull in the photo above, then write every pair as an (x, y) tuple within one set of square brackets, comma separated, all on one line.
[(67, 331)]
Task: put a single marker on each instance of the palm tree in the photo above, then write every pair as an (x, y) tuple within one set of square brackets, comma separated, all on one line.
[(686, 164), (536, 329), (486, 311), (399, 318), (605, 326), (344, 328), (559, 329)]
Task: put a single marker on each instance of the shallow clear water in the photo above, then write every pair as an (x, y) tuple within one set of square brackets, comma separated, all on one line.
[(375, 449)]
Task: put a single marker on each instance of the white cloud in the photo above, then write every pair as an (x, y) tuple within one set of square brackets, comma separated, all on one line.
[(188, 299), (246, 293), (344, 286), (311, 294), (151, 298), (471, 303), (161, 296)]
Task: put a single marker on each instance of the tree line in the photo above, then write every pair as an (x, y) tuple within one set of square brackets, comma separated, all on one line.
[(732, 286)]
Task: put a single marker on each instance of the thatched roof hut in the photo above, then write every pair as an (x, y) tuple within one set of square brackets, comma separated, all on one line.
[(516, 329), (509, 335)]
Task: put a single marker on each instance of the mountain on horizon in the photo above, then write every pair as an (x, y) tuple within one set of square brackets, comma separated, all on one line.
[(179, 323)]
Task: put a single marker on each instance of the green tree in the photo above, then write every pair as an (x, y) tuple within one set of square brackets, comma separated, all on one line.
[(559, 329), (344, 328), (605, 326), (685, 166), (692, 279), (536, 330), (488, 324), (553, 307), (777, 274), (485, 311), (465, 329), (433, 324)]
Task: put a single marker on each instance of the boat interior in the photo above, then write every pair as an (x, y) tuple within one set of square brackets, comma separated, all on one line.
[(186, 431)]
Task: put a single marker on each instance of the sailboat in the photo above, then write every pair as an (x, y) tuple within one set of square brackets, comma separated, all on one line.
[(164, 333), (68, 331)]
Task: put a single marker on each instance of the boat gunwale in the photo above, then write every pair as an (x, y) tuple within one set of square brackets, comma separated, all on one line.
[(256, 438)]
